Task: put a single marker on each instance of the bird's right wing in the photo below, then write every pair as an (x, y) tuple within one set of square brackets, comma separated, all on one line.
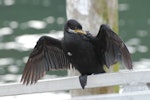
[(46, 55)]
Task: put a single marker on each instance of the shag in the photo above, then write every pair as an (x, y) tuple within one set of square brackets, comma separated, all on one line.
[(79, 49)]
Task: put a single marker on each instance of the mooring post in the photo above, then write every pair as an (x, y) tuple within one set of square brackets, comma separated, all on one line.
[(91, 14)]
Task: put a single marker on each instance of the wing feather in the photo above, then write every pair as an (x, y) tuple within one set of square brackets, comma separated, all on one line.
[(112, 48), (46, 55)]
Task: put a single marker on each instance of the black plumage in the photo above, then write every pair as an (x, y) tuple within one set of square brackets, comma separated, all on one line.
[(86, 53)]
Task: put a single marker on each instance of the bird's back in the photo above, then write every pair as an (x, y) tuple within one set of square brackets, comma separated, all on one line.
[(81, 54)]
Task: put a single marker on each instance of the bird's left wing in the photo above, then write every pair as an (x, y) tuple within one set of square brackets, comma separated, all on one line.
[(46, 55), (111, 48)]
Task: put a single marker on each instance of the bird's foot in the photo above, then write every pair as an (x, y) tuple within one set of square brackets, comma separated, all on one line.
[(83, 80)]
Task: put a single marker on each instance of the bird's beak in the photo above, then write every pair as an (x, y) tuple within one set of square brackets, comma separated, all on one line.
[(79, 31)]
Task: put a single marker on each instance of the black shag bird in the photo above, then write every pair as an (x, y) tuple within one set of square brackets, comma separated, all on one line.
[(86, 53)]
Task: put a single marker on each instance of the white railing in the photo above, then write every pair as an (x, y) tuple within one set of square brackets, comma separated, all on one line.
[(125, 96), (68, 83)]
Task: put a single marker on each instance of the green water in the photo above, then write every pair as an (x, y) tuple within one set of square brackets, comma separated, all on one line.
[(22, 22), (135, 25)]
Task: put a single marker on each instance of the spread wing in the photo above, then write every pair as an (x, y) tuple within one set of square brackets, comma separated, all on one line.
[(46, 55), (112, 48)]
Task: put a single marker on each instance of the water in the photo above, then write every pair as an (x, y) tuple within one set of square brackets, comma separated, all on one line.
[(22, 22), (134, 26)]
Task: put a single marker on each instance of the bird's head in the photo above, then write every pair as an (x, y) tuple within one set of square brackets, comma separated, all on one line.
[(72, 26)]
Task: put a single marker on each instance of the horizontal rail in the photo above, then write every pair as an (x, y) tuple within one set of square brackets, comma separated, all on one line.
[(68, 83), (125, 96)]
